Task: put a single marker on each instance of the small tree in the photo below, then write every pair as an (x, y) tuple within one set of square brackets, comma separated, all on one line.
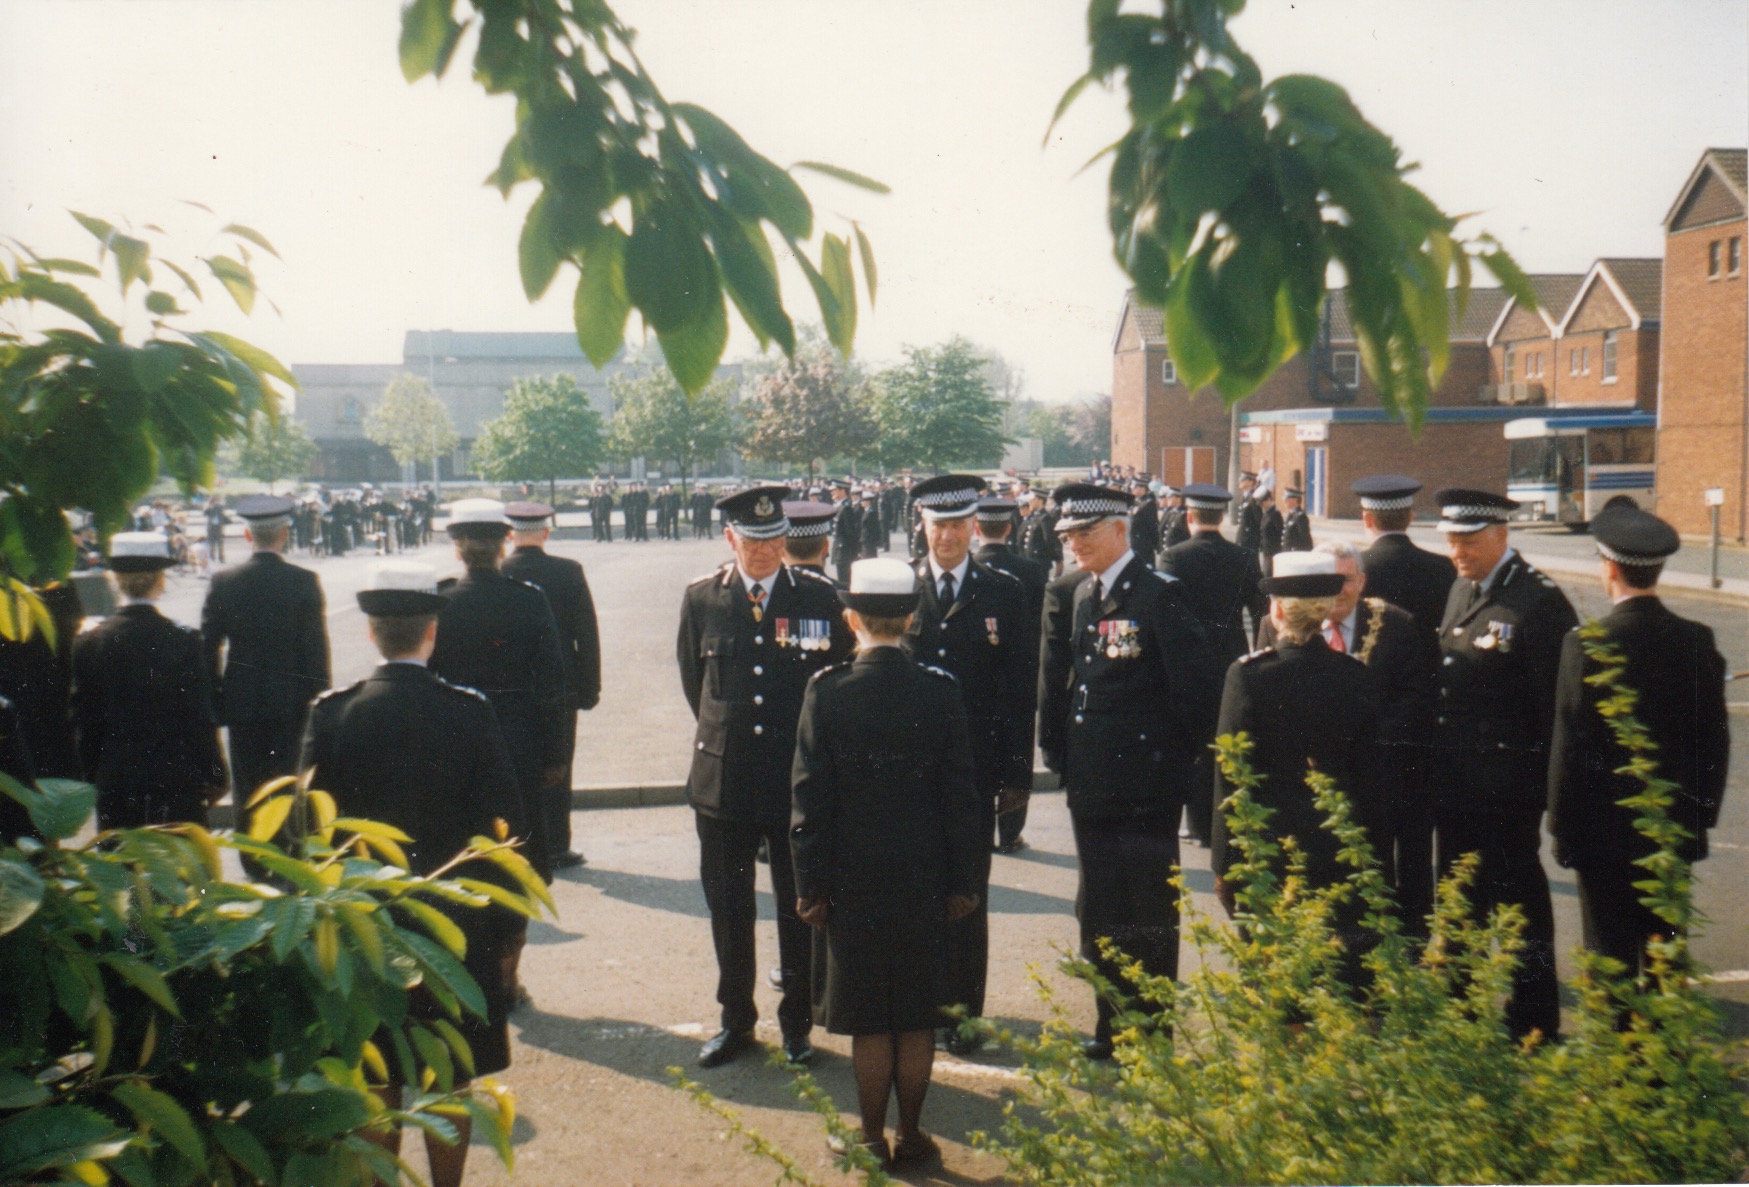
[(412, 423), (547, 430), (1090, 428), (937, 410), (654, 418), (808, 409), (276, 448)]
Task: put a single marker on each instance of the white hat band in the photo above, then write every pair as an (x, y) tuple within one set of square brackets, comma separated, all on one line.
[(1394, 503)]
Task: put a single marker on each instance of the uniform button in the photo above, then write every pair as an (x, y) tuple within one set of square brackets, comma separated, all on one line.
[(1079, 719), (942, 651), (758, 700), (758, 671), (701, 745), (759, 638), (1442, 721), (759, 729), (1451, 659)]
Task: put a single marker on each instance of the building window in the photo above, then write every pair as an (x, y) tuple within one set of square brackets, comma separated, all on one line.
[(1712, 258), (1345, 364), (1572, 361), (1534, 369), (1734, 255), (349, 411), (1609, 341), (1168, 372), (1584, 360), (1508, 364)]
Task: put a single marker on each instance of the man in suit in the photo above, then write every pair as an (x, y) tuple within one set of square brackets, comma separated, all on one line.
[(1296, 525), (498, 635), (1137, 707), (1676, 670), (1218, 581), (809, 539), (973, 621), (1500, 645), (995, 522), (1397, 570), (751, 636), (264, 627), (567, 591)]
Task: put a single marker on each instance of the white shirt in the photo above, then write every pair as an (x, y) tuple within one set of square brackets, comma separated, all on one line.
[(407, 659), (1109, 576), (1488, 581), (959, 573), (753, 585)]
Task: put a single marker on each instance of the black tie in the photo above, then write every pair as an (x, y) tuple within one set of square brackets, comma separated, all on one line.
[(1098, 592), (947, 589)]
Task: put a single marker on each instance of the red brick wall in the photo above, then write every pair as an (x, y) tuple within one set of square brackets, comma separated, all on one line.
[(1130, 392), (1701, 410)]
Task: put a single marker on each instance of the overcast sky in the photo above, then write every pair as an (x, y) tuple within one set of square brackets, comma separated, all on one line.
[(1568, 124)]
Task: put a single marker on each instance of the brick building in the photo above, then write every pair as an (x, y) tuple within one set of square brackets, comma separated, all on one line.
[(1524, 341), (1703, 405)]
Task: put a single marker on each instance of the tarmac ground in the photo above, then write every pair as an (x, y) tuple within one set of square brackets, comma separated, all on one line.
[(623, 980)]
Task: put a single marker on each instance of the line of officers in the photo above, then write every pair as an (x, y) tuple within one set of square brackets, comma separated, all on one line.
[(1445, 695)]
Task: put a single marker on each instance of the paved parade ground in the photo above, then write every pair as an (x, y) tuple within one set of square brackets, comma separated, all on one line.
[(623, 980)]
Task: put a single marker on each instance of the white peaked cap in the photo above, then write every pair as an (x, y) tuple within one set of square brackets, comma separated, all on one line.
[(1302, 564), (477, 511), (139, 544), (411, 576), (882, 575)]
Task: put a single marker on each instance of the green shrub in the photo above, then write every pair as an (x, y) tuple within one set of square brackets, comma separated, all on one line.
[(164, 1026)]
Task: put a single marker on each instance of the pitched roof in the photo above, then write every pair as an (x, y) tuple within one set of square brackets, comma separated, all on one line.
[(1150, 323), (1554, 296), (1734, 164), (1730, 164), (1478, 316), (1641, 282)]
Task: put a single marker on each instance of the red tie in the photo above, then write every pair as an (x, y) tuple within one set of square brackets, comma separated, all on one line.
[(1336, 643)]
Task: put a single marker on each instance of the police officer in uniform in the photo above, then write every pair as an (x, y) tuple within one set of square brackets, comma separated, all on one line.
[(1397, 569), (810, 534), (266, 635), (1500, 646), (1675, 667), (874, 532), (1249, 533), (973, 621), (1270, 534), (497, 635), (1296, 525), (601, 513), (846, 531), (573, 607), (995, 523), (1038, 535), (751, 635), (1219, 581), (1141, 704), (1174, 520), (1144, 521)]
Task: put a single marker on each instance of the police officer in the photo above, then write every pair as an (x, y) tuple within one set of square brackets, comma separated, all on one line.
[(1038, 536), (973, 621), (995, 524), (1144, 521), (1140, 707), (497, 635), (567, 590), (751, 635), (1270, 533), (874, 532), (1174, 520), (1500, 645), (1676, 670), (1219, 581), (1397, 569), (1296, 525), (1249, 532), (846, 531), (265, 631), (142, 711), (601, 513), (810, 534)]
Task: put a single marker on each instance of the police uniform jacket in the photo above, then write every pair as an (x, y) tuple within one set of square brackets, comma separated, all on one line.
[(874, 533), (985, 640), (1033, 578), (847, 533), (36, 676), (1219, 583), (1145, 528), (1407, 575), (1056, 666), (1143, 691), (1038, 538), (1675, 667), (266, 618), (1271, 532), (1250, 533), (1500, 654), (1176, 524), (573, 607), (745, 680), (143, 713), (1303, 705), (1296, 532)]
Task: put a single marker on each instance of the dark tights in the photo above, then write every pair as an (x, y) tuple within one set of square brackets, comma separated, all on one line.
[(886, 1063)]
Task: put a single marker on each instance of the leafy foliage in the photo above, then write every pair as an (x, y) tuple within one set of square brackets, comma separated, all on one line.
[(411, 422), (275, 448), (662, 207), (547, 431), (1072, 434), (91, 414), (654, 418), (166, 1026), (810, 409), (1230, 197), (936, 409)]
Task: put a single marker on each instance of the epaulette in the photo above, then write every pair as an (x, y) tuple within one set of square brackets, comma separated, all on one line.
[(710, 576), (1258, 654), (942, 672), (812, 576), (1003, 573), (466, 690), (837, 667), (337, 692)]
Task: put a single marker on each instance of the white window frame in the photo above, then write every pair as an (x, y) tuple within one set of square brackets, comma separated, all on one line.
[(1584, 360), (1734, 255), (1349, 359), (1611, 344), (1168, 372), (1509, 360), (1714, 252)]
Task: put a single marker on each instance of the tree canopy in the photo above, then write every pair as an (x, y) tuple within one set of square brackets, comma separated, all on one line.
[(811, 408), (547, 431), (411, 422), (937, 411), (274, 449), (655, 419)]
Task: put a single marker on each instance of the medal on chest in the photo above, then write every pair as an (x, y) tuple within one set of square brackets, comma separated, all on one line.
[(990, 630), (1120, 638), (1497, 638)]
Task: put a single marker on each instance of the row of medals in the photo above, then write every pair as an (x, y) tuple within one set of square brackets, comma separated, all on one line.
[(1121, 637), (809, 634)]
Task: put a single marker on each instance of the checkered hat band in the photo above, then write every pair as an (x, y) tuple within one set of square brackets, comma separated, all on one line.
[(1633, 560), (762, 531), (964, 511), (947, 498), (1088, 508), (259, 522), (806, 531), (1000, 516), (1461, 512), (1205, 504), (1395, 503)]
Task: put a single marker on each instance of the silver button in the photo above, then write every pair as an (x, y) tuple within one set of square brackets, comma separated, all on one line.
[(1451, 659), (759, 729), (758, 671), (943, 651), (1079, 719), (758, 700), (759, 638), (701, 745)]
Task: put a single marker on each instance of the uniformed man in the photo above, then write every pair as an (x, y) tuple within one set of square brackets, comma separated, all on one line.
[(1140, 709), (1038, 535), (498, 635), (1271, 530), (973, 621), (846, 530), (1676, 670), (1219, 585), (1144, 521), (414, 751), (1248, 533), (1296, 525), (995, 523), (751, 635), (601, 513), (810, 534), (265, 630), (215, 529), (567, 590), (1500, 644), (1397, 570), (874, 532), (1174, 521)]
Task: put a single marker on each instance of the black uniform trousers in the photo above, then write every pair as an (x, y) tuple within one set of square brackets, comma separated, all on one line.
[(1615, 922), (968, 938), (1511, 871), (1125, 894), (556, 801), (263, 750), (726, 868), (1009, 826)]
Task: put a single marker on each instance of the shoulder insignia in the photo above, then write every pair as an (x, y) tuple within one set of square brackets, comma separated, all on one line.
[(837, 667), (942, 672), (1258, 654), (464, 689), (711, 576), (332, 693), (810, 575)]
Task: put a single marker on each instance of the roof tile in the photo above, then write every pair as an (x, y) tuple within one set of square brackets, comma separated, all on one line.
[(1642, 281)]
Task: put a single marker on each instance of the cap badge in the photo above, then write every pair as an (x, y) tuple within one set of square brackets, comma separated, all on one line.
[(763, 507)]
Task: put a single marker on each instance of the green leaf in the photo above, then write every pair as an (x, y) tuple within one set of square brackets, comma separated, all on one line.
[(265, 822), (154, 363), (845, 175), (1511, 277), (865, 250), (750, 274), (762, 188), (236, 278), (841, 279), (458, 1045), (444, 968), (537, 256), (442, 928), (182, 274), (601, 306), (434, 1054), (831, 314), (1209, 169), (68, 298), (63, 807), (244, 1149), (21, 893), (251, 355), (57, 1136), (131, 256), (1192, 352), (161, 304), (253, 236), (291, 918), (77, 267), (669, 273), (145, 978), (429, 32), (306, 1117), (693, 350), (159, 1111), (98, 228), (1067, 101), (19, 1091)]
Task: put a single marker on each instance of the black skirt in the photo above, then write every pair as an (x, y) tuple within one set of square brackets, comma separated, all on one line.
[(881, 975)]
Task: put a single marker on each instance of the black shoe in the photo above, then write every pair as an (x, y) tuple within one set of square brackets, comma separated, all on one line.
[(570, 859), (1096, 1048), (724, 1046), (1010, 847), (774, 978), (797, 1051)]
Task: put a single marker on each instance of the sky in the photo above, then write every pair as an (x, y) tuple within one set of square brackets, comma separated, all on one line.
[(1568, 125)]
